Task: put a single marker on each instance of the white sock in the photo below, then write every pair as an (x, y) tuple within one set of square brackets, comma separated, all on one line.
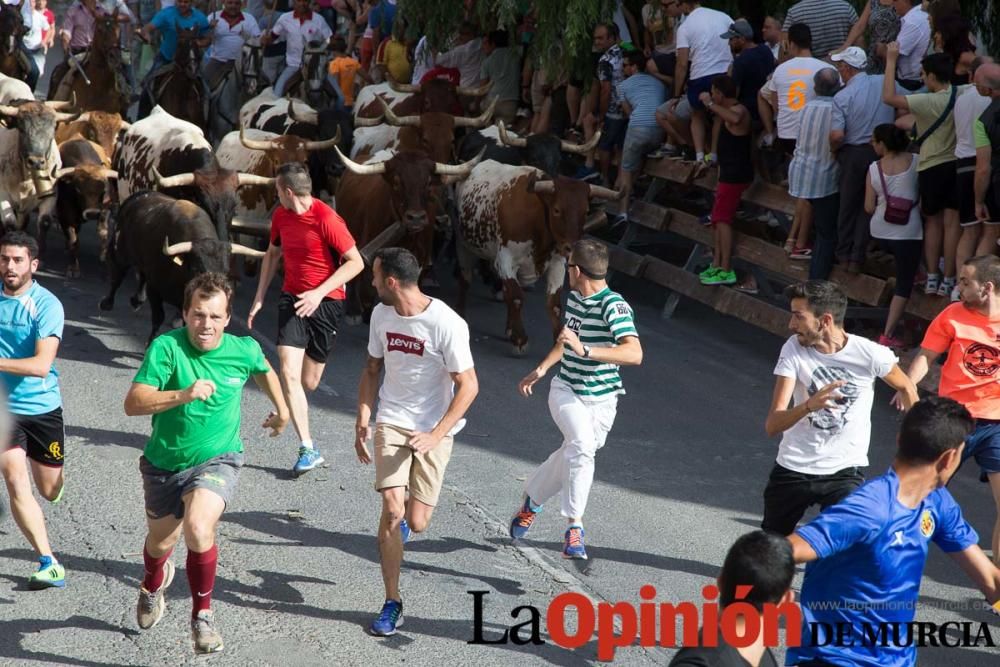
[(308, 444), (699, 156)]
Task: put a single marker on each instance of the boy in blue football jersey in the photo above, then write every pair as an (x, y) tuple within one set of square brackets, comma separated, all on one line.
[(866, 554)]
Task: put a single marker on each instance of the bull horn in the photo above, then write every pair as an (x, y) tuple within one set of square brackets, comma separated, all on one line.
[(479, 122), (64, 171), (605, 193), (254, 144), (360, 169), (324, 145), (177, 181), (595, 221), (237, 249), (177, 248), (402, 87), (508, 140), (252, 179), (84, 117), (368, 122), (66, 117), (124, 125), (460, 170), (543, 187), (474, 92), (393, 119), (110, 173), (61, 104), (7, 110), (581, 149)]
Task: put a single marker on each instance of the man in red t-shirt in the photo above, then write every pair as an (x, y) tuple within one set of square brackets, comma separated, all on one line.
[(320, 258)]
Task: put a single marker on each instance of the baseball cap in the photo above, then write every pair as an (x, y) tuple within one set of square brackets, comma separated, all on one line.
[(854, 56), (739, 28)]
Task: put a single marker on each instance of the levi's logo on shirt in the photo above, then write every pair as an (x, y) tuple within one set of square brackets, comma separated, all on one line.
[(403, 343)]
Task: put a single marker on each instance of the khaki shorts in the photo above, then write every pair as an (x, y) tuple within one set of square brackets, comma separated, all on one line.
[(396, 464)]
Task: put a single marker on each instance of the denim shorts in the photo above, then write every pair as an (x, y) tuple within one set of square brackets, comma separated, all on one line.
[(983, 444), (638, 142)]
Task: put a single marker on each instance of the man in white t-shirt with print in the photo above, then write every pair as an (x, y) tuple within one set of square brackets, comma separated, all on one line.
[(430, 382), (299, 27), (698, 43), (827, 376)]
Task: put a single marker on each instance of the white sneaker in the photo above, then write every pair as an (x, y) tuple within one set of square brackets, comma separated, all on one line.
[(956, 295)]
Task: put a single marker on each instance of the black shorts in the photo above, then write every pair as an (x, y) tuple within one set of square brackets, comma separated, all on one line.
[(786, 146), (316, 333), (42, 437), (164, 490), (789, 494), (937, 189), (612, 133)]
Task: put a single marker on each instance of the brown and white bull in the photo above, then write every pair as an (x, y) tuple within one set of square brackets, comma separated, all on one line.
[(407, 99), (29, 159), (525, 223), (261, 153), (100, 127), (83, 194), (161, 151), (402, 187)]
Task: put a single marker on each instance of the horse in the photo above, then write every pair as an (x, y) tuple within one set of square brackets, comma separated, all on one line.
[(307, 83), (103, 86), (230, 90), (178, 87), (12, 30)]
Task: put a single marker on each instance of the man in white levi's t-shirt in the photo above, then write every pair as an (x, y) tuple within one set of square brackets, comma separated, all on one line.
[(430, 382), (828, 378)]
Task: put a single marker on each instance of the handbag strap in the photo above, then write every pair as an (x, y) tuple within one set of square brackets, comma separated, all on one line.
[(940, 119), (881, 175)]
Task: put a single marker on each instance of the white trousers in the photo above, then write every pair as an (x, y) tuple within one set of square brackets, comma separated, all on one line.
[(570, 469)]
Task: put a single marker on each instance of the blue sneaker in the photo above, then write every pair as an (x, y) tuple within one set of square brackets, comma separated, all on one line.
[(574, 544), (50, 574), (390, 618), (522, 521), (404, 530), (309, 458)]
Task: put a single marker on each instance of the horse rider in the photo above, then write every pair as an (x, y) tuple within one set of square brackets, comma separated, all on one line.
[(26, 8), (167, 21), (231, 27), (77, 33), (299, 27)]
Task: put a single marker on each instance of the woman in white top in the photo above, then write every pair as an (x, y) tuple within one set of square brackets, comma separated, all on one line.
[(895, 174)]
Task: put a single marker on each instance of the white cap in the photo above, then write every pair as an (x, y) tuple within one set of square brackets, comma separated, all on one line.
[(854, 56)]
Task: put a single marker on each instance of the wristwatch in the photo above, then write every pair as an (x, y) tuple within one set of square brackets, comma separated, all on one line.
[(586, 351)]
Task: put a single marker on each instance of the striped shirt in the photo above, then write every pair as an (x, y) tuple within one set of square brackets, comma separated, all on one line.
[(829, 22), (813, 172), (601, 320), (644, 93)]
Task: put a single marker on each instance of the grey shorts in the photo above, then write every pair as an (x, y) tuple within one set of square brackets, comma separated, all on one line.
[(638, 142), (681, 112), (165, 490)]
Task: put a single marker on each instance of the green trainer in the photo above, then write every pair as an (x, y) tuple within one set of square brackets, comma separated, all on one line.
[(50, 574), (59, 496), (720, 277), (709, 272)]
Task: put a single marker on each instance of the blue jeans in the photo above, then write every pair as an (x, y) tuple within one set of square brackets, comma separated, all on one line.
[(825, 213), (283, 78), (32, 76)]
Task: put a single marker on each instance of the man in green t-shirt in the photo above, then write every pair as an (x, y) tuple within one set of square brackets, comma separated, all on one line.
[(937, 164), (191, 382)]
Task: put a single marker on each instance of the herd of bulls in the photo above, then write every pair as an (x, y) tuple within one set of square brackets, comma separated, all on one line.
[(408, 162)]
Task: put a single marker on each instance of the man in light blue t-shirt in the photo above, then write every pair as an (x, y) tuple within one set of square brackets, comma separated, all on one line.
[(167, 22), (31, 326), (867, 553)]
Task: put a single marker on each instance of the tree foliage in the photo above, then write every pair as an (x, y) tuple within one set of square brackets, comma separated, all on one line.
[(563, 27)]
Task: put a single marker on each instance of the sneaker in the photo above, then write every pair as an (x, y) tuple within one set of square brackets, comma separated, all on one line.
[(946, 286), (522, 521), (206, 638), (711, 159), (149, 609), (720, 277), (710, 271), (891, 342), (390, 618), (50, 574), (59, 496), (706, 219), (309, 458), (404, 530), (574, 544), (619, 219), (956, 295), (666, 150), (801, 254), (932, 284)]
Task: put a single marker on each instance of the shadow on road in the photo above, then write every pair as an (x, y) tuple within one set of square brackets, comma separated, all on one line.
[(104, 437)]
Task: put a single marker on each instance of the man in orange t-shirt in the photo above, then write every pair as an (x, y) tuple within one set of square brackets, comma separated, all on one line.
[(342, 70), (969, 332)]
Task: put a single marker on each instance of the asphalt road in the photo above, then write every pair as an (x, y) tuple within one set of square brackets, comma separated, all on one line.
[(680, 478)]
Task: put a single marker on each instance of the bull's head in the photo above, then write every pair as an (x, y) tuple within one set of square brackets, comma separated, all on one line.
[(567, 202), (286, 147), (36, 125), (412, 175), (214, 190), (436, 128), (206, 255), (90, 185), (542, 151), (103, 128)]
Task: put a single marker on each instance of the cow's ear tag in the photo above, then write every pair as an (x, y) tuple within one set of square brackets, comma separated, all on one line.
[(178, 261)]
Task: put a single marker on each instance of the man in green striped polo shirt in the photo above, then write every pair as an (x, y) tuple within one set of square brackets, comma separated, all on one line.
[(599, 336)]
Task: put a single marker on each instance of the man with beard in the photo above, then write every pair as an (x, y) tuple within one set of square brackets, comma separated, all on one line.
[(31, 326), (430, 382), (828, 378), (969, 332)]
